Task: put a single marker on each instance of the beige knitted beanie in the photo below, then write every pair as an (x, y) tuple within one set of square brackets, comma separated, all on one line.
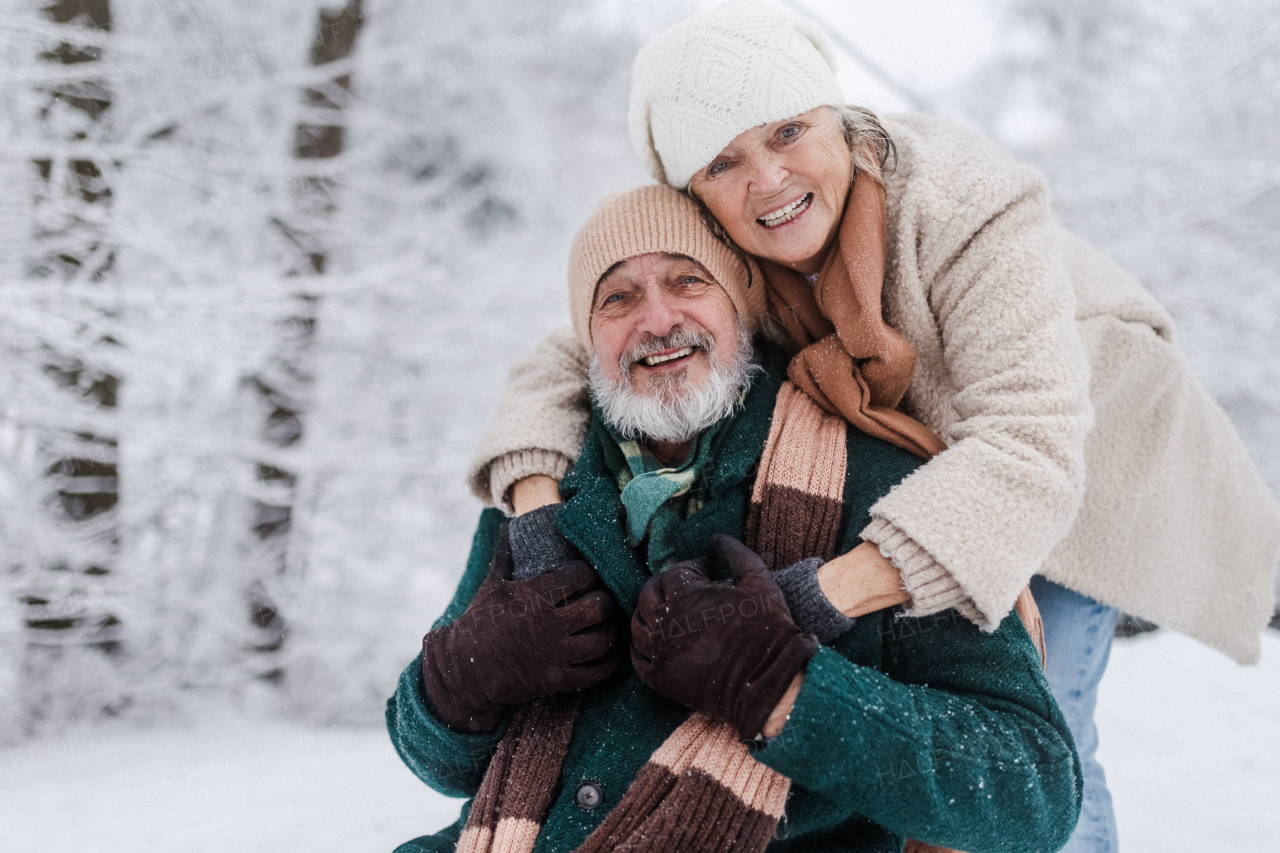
[(653, 219), (703, 81)]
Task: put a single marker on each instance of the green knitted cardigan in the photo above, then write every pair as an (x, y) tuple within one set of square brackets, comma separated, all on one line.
[(921, 728)]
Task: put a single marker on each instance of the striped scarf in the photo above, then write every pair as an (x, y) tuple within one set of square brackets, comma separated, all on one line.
[(702, 768), (701, 790)]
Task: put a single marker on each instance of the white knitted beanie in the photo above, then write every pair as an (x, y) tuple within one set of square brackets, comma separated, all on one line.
[(703, 81), (653, 219)]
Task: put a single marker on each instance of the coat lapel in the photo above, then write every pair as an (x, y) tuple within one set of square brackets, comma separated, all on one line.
[(592, 520)]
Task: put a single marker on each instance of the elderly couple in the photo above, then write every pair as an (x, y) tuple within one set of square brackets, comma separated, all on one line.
[(840, 406)]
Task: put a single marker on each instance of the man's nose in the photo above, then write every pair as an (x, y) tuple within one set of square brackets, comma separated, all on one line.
[(660, 313)]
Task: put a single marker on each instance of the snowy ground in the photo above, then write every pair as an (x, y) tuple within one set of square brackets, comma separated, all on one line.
[(1191, 746), (1191, 743)]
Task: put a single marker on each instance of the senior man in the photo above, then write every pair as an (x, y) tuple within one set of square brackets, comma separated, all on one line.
[(751, 715)]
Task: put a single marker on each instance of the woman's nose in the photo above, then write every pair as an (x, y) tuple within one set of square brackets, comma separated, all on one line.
[(768, 175)]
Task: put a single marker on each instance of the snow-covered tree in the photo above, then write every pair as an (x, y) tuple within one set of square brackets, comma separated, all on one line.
[(263, 268), (63, 336)]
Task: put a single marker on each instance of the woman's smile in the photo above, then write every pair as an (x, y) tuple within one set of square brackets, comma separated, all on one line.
[(787, 213)]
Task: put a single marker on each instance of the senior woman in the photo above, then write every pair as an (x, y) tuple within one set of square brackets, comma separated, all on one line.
[(920, 279)]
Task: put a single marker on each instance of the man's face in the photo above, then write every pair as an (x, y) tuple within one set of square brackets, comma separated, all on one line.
[(657, 322)]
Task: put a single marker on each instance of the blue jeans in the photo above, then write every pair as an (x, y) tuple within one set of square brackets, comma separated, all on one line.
[(1077, 639)]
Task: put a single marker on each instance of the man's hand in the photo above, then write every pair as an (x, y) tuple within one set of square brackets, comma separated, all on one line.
[(519, 640), (728, 651)]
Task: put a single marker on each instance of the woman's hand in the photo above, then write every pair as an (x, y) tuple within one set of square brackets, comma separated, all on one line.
[(862, 581), (534, 492)]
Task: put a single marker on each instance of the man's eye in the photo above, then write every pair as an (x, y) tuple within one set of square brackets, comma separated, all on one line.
[(691, 279)]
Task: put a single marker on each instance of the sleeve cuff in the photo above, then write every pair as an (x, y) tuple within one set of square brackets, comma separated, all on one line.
[(511, 468), (811, 610), (451, 762), (931, 586), (537, 544)]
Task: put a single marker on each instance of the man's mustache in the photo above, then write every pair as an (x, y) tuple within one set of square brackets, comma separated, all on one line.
[(675, 339)]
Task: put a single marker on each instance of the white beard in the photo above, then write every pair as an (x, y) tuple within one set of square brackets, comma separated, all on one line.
[(678, 410)]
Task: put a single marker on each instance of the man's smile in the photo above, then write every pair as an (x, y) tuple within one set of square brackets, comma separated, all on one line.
[(669, 358)]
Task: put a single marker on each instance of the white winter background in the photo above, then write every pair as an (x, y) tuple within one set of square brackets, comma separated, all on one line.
[(243, 366)]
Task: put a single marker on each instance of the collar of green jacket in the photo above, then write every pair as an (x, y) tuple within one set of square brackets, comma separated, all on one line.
[(593, 518)]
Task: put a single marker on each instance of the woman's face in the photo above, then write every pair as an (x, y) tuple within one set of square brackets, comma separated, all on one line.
[(779, 189)]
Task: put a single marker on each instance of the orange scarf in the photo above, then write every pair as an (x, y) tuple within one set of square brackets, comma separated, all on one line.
[(850, 362)]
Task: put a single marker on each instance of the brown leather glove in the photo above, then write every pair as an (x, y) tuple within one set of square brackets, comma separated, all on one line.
[(728, 651), (520, 640)]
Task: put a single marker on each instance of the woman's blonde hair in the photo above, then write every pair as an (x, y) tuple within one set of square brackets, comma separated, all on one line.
[(870, 146)]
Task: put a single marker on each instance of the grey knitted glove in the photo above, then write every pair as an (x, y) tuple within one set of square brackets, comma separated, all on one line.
[(810, 609), (536, 543)]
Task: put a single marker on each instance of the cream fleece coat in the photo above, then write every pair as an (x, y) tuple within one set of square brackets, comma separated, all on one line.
[(1079, 444)]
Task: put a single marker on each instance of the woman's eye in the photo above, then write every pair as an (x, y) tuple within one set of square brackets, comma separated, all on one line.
[(717, 167), (791, 131), (612, 298)]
